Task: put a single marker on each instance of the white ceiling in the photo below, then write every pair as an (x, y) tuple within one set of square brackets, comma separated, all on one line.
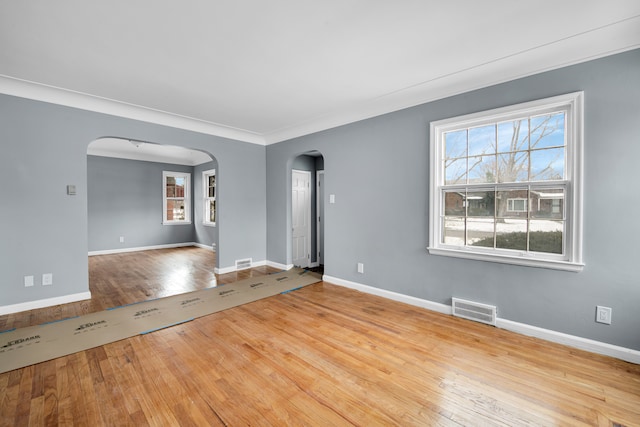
[(265, 71)]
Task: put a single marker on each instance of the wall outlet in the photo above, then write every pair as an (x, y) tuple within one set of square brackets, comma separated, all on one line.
[(47, 279), (603, 314), (360, 268), (28, 281), (121, 239)]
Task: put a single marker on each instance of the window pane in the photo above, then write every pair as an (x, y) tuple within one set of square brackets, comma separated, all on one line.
[(456, 171), (482, 169), (547, 131), (480, 231), (546, 236), (481, 203), (513, 203), (454, 203), (511, 234), (171, 190), (455, 144), (175, 210), (482, 140), (513, 136), (212, 180), (453, 231), (513, 167), (212, 211), (180, 184), (212, 191), (547, 203), (547, 164)]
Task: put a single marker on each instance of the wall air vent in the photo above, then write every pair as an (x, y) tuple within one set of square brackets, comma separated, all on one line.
[(482, 313), (243, 264)]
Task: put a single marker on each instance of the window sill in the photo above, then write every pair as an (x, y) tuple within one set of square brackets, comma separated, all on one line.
[(209, 224), (528, 261), (176, 223)]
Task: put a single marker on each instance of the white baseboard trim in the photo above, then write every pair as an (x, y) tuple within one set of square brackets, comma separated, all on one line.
[(430, 305), (224, 270), (232, 268), (42, 303), (144, 248), (586, 344), (279, 266), (208, 247)]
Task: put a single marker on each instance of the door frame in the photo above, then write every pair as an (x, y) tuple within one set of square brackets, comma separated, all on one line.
[(319, 204), (308, 207)]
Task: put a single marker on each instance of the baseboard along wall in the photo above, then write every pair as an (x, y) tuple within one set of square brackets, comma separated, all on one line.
[(147, 248), (42, 303), (586, 344)]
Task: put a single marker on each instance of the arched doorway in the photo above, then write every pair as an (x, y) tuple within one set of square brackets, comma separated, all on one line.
[(143, 196), (307, 210)]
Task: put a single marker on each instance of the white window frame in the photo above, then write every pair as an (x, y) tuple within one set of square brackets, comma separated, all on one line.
[(571, 260), (206, 199), (187, 198)]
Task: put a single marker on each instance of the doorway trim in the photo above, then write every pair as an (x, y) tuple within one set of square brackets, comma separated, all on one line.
[(307, 217), (319, 219)]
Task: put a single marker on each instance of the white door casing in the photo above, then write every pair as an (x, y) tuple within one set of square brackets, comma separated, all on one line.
[(320, 216), (300, 217)]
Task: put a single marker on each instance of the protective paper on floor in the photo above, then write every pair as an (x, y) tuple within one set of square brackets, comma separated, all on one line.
[(27, 346)]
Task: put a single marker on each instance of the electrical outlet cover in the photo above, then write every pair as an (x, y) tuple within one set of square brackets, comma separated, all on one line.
[(603, 314), (47, 279)]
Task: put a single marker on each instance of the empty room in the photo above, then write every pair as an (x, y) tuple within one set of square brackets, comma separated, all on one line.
[(353, 213)]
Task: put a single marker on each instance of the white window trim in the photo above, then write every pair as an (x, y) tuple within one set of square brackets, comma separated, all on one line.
[(205, 197), (573, 103), (187, 198)]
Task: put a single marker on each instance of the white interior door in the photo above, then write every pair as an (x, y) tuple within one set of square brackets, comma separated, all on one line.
[(300, 218)]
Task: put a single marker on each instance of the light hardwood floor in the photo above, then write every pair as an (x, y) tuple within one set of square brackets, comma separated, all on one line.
[(322, 355)]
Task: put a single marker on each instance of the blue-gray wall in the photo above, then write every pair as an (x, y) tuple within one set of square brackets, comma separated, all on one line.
[(124, 198), (378, 170), (44, 148)]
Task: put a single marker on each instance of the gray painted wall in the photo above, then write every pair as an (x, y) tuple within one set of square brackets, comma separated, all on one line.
[(124, 198), (378, 170), (44, 148)]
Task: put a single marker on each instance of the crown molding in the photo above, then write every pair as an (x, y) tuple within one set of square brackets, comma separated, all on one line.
[(45, 93), (593, 44), (576, 49)]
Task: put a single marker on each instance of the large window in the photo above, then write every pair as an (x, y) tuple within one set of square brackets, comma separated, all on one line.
[(506, 184), (176, 198), (209, 187)]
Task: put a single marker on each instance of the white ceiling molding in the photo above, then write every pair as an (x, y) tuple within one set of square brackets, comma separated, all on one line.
[(265, 72), (69, 98), (594, 44)]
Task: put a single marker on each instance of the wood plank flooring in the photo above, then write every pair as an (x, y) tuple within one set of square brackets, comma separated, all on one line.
[(320, 356)]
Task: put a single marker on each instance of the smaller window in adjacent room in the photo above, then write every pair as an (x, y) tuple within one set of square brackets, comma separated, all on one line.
[(176, 198), (506, 184), (209, 187)]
